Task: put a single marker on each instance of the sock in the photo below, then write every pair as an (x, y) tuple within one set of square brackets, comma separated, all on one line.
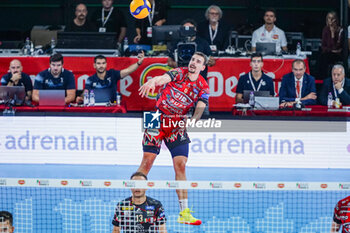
[(183, 204)]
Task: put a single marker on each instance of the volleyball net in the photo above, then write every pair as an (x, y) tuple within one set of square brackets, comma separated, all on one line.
[(88, 206)]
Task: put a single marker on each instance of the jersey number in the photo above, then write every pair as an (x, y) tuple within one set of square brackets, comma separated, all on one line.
[(139, 218)]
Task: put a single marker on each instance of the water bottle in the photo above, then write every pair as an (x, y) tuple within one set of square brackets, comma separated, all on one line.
[(126, 45), (31, 48), (118, 98), (251, 99), (330, 100), (52, 44), (92, 98), (86, 98), (27, 46), (298, 51)]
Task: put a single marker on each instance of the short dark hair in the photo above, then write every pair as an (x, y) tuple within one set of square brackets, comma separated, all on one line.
[(202, 55), (270, 10), (6, 216), (138, 174), (299, 61), (191, 21), (256, 55), (56, 57), (99, 57)]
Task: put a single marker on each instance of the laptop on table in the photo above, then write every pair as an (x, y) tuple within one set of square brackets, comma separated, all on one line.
[(246, 95), (103, 96), (266, 48), (52, 97), (16, 95)]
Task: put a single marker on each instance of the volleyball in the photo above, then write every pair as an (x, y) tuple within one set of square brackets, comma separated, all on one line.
[(140, 8)]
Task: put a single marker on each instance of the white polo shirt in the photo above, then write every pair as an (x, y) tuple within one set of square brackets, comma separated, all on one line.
[(276, 35)]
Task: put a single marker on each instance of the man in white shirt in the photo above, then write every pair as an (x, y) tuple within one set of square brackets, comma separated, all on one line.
[(270, 33)]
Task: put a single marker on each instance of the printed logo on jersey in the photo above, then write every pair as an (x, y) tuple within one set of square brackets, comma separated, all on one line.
[(151, 120), (152, 71)]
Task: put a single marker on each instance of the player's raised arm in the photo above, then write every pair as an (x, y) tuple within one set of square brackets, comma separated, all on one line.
[(151, 84), (133, 67)]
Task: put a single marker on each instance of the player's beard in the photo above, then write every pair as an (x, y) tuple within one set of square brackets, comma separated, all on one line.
[(101, 70), (191, 69)]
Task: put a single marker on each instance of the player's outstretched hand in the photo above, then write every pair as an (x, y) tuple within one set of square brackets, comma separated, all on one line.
[(146, 88)]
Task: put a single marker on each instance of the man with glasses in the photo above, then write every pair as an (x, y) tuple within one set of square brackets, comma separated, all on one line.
[(213, 31), (255, 80), (337, 85)]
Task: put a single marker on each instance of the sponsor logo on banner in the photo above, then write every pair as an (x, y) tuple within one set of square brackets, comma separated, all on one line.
[(238, 185), (280, 185), (324, 186), (194, 185), (151, 71), (129, 184), (43, 182), (259, 185), (64, 182), (150, 184), (344, 186), (86, 183), (216, 185), (153, 120), (2, 182), (21, 182), (302, 185), (172, 184), (107, 183)]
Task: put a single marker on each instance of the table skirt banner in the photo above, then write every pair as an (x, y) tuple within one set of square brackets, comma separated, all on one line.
[(222, 78), (117, 141)]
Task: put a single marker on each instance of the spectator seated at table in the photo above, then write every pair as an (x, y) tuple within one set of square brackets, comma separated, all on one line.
[(107, 79), (337, 85), (255, 80), (15, 77), (80, 22), (55, 78), (270, 33), (214, 32), (297, 86)]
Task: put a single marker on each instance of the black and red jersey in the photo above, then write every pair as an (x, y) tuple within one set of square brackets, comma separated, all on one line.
[(144, 218)]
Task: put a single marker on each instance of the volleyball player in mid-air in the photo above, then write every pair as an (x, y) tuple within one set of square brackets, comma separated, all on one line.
[(185, 88)]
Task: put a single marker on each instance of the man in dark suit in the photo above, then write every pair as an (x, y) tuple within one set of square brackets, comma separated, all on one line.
[(338, 86), (297, 86)]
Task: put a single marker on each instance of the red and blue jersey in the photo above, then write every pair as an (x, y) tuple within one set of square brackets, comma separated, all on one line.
[(180, 95), (342, 214)]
